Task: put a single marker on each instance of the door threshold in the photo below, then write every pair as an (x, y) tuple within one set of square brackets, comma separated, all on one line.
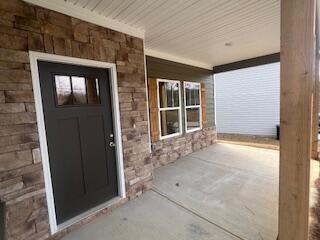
[(88, 213)]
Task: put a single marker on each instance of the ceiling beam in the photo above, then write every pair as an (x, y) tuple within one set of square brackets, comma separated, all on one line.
[(252, 62), (174, 58)]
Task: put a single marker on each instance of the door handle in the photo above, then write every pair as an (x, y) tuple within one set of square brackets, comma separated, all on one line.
[(112, 144)]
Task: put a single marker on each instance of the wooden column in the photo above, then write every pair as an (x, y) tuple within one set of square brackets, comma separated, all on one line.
[(297, 81), (316, 93), (315, 112)]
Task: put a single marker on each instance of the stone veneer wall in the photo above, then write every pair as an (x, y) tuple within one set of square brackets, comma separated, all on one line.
[(169, 150), (25, 27)]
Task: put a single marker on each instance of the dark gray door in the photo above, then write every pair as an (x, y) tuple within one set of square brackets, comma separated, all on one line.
[(79, 129)]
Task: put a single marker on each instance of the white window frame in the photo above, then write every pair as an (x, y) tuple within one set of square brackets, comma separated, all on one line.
[(169, 108), (191, 107)]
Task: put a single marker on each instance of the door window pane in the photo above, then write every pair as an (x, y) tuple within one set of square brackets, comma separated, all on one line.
[(63, 88), (79, 90), (72, 90), (193, 118), (169, 122), (93, 91)]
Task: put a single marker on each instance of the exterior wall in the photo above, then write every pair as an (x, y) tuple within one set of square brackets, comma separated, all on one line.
[(168, 150), (249, 140), (25, 27), (248, 100), (159, 68)]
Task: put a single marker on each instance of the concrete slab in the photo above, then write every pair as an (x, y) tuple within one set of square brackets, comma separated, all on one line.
[(232, 186), (150, 217), (223, 192)]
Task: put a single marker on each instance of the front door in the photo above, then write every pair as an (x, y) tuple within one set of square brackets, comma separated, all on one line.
[(79, 129)]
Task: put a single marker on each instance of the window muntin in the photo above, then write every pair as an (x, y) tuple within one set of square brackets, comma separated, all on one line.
[(74, 90), (192, 95), (169, 102)]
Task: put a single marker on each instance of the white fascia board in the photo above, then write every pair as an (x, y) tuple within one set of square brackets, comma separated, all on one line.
[(88, 16), (170, 57)]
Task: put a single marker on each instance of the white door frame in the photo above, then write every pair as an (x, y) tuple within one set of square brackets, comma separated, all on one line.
[(34, 57)]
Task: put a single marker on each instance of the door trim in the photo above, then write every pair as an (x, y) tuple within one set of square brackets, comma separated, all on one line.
[(34, 57)]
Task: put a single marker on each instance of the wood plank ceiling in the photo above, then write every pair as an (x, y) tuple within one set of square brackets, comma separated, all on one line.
[(207, 32)]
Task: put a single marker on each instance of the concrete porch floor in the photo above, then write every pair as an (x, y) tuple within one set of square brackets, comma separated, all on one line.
[(223, 192)]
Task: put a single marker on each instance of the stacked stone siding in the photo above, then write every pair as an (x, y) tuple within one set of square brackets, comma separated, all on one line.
[(25, 27), (169, 150)]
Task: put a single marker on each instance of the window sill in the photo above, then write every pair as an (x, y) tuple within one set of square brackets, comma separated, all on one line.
[(170, 136), (193, 130), (179, 134)]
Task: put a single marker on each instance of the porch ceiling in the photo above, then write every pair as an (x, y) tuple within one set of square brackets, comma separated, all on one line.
[(194, 32)]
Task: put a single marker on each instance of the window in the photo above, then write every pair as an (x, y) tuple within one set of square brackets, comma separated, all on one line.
[(192, 101), (72, 90), (169, 103)]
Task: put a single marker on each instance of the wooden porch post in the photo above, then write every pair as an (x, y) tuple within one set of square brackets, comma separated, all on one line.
[(316, 92), (297, 82), (315, 113)]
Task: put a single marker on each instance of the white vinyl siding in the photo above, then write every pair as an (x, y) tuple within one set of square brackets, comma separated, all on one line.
[(248, 100)]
